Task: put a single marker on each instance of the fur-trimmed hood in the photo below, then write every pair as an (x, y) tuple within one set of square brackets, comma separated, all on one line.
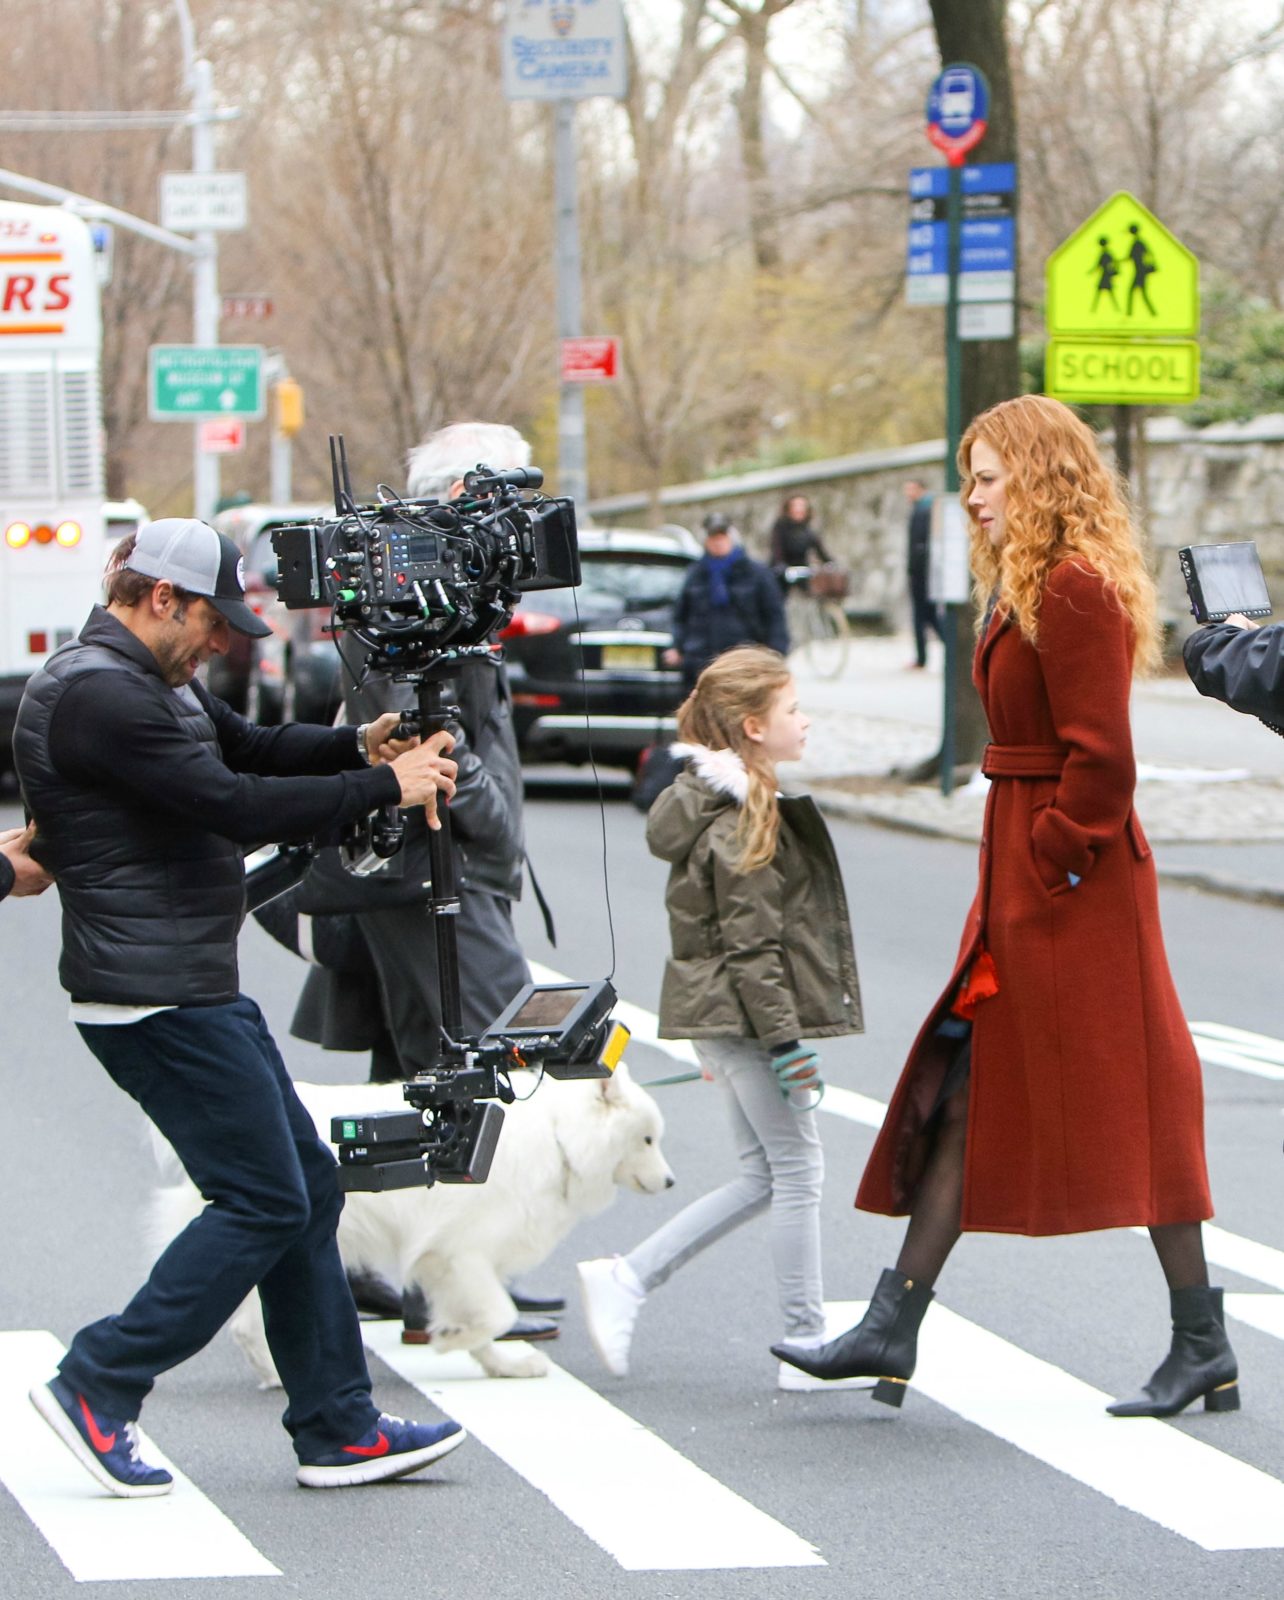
[(713, 781)]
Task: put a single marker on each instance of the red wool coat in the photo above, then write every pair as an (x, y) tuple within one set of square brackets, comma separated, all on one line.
[(1086, 1106)]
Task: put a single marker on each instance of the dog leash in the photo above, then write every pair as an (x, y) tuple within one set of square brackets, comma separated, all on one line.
[(677, 1077)]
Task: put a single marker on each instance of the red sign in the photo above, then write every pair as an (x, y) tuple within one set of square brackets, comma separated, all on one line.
[(590, 360), (252, 307), (221, 436)]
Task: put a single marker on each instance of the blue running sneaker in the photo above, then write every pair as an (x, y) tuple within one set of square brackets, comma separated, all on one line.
[(106, 1446), (392, 1449)]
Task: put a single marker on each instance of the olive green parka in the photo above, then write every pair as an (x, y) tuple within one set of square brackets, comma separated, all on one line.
[(766, 954)]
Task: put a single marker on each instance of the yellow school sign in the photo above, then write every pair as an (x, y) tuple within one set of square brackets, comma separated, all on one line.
[(1122, 311)]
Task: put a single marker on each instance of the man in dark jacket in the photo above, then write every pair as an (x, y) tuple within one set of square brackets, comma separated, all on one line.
[(726, 599), (144, 789), (923, 613), (19, 873), (1242, 664)]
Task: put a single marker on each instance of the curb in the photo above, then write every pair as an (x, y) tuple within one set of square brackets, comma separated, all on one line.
[(850, 808)]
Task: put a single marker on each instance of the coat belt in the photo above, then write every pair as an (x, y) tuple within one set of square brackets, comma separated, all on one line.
[(1024, 760)]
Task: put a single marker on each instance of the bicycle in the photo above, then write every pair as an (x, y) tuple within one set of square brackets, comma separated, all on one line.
[(818, 625)]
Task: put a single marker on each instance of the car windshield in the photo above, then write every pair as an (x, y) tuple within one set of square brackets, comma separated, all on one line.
[(617, 583)]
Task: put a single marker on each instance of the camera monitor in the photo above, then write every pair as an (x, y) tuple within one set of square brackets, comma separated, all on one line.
[(1222, 579)]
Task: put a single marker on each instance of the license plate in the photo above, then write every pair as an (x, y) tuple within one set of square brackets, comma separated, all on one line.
[(628, 655)]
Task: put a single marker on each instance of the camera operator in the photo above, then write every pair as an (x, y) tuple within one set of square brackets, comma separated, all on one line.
[(145, 788), (20, 873), (1240, 663), (485, 816)]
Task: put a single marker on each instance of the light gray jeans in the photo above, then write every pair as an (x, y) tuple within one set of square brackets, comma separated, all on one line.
[(781, 1166)]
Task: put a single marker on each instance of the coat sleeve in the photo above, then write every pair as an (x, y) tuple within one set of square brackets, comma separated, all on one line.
[(1085, 651), (1244, 667), (751, 917)]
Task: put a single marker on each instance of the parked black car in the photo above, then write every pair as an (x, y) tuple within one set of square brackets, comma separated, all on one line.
[(585, 665)]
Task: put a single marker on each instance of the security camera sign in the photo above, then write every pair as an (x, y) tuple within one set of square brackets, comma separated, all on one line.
[(564, 50)]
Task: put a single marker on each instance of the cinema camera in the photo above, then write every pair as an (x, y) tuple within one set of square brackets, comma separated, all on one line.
[(423, 585)]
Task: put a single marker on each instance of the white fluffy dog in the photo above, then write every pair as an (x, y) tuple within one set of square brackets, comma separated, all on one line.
[(562, 1154)]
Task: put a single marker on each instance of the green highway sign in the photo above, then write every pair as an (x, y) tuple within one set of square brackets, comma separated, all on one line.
[(187, 381), (1123, 372), (1122, 274)]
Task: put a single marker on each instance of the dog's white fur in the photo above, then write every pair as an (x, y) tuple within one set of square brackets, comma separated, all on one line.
[(562, 1154)]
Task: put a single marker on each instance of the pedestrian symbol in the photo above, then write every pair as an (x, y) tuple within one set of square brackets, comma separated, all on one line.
[(1123, 274)]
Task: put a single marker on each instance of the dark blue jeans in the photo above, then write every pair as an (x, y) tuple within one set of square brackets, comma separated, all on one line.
[(213, 1082)]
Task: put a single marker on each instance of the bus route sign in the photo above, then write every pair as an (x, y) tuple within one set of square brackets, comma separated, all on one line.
[(186, 381)]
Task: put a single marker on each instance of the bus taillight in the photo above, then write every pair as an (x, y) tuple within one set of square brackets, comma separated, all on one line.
[(17, 534), (38, 643), (67, 534), (42, 533)]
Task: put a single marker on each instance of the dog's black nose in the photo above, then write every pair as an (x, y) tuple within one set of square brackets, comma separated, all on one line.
[(669, 1182)]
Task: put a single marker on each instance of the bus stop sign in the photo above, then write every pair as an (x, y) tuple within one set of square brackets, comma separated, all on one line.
[(958, 109)]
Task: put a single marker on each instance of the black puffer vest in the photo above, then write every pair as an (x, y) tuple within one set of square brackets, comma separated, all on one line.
[(151, 905)]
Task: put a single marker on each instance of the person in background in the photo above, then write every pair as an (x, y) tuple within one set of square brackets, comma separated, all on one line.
[(924, 614), (726, 599), (20, 874), (795, 539)]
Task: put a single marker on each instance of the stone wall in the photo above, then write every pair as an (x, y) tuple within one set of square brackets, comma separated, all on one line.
[(1195, 486)]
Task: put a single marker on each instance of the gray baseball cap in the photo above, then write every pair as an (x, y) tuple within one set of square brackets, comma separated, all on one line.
[(194, 556)]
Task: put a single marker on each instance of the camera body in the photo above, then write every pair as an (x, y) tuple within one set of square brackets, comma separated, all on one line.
[(416, 580)]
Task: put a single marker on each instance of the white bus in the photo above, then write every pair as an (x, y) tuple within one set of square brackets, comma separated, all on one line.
[(52, 528)]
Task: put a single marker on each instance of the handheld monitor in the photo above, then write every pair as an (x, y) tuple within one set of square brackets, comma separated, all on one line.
[(1222, 579)]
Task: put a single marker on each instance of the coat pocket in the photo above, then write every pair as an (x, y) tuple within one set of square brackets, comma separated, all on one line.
[(1140, 843)]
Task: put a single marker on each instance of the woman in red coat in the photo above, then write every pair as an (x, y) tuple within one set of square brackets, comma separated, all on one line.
[(1054, 1087)]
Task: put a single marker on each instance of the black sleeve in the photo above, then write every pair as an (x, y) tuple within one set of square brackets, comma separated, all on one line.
[(818, 545), (288, 751), (1244, 667), (7, 876), (121, 737)]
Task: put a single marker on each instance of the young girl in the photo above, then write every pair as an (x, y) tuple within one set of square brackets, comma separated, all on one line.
[(761, 957)]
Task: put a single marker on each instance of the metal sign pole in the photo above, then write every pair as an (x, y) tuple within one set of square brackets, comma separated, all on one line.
[(953, 432), (205, 466), (572, 455)]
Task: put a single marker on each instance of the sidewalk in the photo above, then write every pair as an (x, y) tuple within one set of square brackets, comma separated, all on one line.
[(1210, 789)]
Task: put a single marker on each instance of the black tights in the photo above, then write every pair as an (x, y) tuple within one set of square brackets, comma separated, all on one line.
[(934, 1222)]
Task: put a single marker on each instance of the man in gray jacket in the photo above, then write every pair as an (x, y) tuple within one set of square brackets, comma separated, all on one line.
[(485, 816)]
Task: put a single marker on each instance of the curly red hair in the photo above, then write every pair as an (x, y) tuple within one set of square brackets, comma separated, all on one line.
[(1062, 502)]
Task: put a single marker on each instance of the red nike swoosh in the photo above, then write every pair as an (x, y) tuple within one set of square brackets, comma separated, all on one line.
[(378, 1448), (102, 1442)]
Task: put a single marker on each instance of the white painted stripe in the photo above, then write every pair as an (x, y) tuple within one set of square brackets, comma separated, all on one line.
[(632, 1494), (96, 1536), (1145, 1466), (1242, 1051), (1262, 1311)]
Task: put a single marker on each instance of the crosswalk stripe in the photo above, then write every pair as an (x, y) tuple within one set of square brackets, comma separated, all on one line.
[(631, 1493), (1207, 1496), (1262, 1311), (1242, 1051), (97, 1537)]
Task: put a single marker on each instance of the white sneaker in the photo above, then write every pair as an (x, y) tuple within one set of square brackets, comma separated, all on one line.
[(610, 1310)]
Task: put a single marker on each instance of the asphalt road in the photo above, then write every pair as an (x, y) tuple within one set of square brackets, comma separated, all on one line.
[(1001, 1481)]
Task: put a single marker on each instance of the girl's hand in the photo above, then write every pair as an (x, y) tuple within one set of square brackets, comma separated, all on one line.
[(797, 1066)]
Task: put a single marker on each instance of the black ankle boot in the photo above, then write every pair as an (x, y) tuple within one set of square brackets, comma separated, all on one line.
[(372, 1294), (1199, 1362), (882, 1345)]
